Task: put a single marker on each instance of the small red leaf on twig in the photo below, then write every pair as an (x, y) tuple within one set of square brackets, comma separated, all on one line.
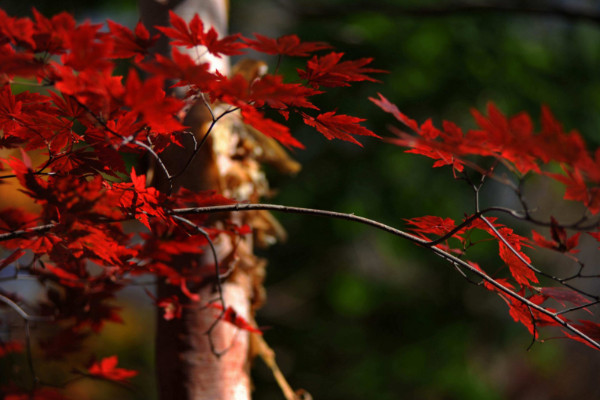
[(107, 369)]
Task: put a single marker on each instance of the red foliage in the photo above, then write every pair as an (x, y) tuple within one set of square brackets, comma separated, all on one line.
[(289, 45), (10, 347), (193, 35), (107, 369), (78, 131), (513, 143), (89, 119)]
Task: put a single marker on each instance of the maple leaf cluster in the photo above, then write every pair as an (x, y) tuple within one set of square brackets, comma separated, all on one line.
[(70, 124), (513, 143), (69, 120)]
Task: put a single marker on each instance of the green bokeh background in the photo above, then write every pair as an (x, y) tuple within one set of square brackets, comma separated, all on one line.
[(358, 314)]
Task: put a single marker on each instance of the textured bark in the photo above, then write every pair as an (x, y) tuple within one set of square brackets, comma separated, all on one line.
[(187, 368)]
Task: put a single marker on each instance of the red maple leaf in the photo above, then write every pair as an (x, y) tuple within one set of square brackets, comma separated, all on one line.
[(518, 269), (289, 45), (560, 241), (107, 369), (391, 108), (51, 35), (229, 45), (193, 35), (431, 224), (131, 44), (140, 201), (338, 126), (182, 67), (271, 90), (231, 316), (270, 128), (18, 31), (589, 328), (530, 317), (21, 64), (577, 188), (563, 294), (149, 99), (181, 33), (328, 71), (10, 347), (87, 48)]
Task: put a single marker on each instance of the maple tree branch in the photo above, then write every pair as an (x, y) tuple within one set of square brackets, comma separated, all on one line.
[(378, 225), (22, 313), (156, 157), (25, 232), (397, 232)]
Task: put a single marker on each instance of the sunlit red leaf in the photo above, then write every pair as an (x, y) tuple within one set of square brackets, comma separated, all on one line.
[(107, 369), (192, 34), (14, 256), (431, 225), (131, 44), (271, 90), (339, 126), (10, 347), (328, 71), (181, 67), (87, 49), (560, 241), (149, 99), (289, 45), (270, 128), (589, 328), (231, 316), (388, 107), (518, 269)]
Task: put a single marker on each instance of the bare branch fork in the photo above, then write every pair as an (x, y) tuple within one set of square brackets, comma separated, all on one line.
[(431, 244)]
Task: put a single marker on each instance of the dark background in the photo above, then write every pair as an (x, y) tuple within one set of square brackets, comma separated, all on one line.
[(354, 313)]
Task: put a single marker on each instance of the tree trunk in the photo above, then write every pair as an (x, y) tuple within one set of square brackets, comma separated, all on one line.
[(186, 365)]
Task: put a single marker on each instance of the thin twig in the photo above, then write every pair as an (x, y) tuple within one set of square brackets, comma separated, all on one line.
[(198, 146), (25, 232), (218, 284), (22, 313)]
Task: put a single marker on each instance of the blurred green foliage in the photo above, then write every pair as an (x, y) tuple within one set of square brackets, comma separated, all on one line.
[(357, 314)]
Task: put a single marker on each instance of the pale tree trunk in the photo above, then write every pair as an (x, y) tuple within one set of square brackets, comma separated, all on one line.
[(186, 364)]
